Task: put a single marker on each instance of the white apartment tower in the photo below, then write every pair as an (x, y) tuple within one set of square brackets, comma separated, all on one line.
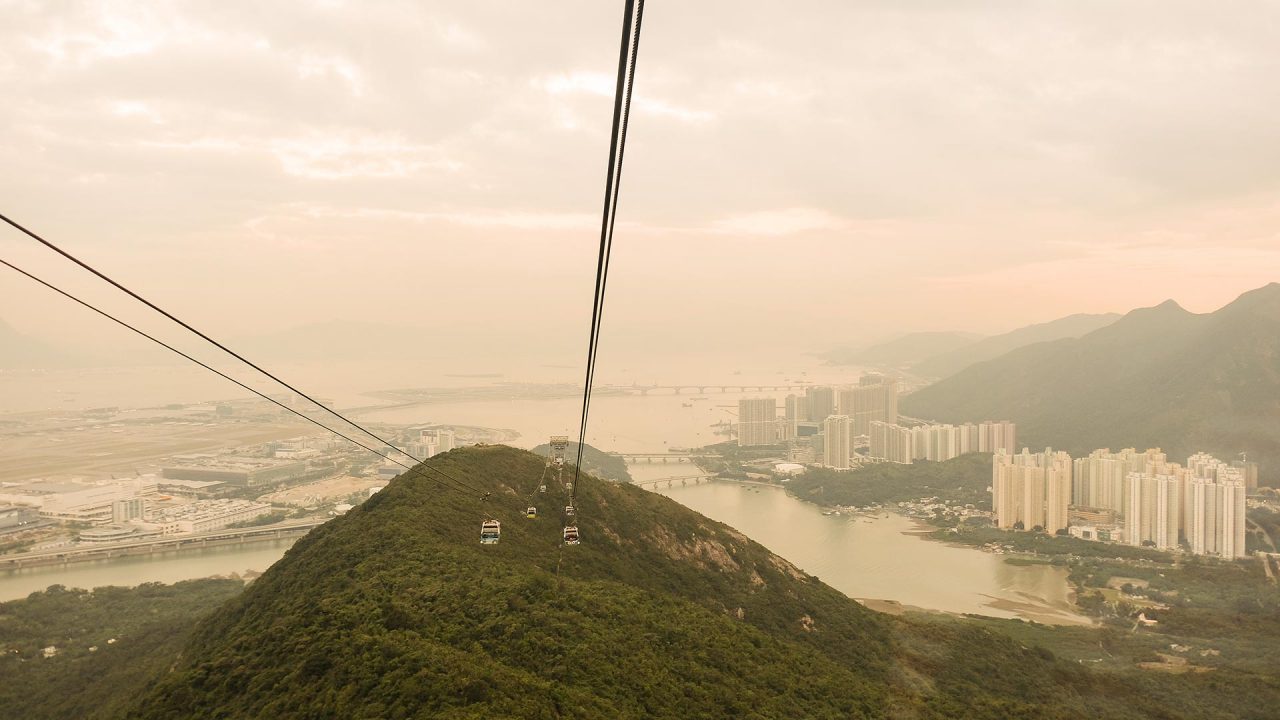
[(1217, 498), (757, 421), (1033, 489), (821, 402), (837, 447), (890, 442)]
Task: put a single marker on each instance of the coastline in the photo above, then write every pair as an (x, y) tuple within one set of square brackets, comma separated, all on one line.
[(1030, 610)]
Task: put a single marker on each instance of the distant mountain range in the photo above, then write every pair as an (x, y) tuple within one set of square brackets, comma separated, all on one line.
[(1157, 377), (23, 352), (904, 350), (950, 362)]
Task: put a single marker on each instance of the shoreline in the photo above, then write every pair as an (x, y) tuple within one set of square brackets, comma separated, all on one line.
[(1042, 613)]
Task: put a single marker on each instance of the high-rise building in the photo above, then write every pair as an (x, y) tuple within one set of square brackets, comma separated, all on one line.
[(1031, 489), (1000, 436), (1249, 471), (936, 443), (837, 448), (875, 398), (1101, 479), (821, 402), (431, 442), (1217, 497), (795, 411), (757, 421), (890, 442), (1153, 511), (446, 439)]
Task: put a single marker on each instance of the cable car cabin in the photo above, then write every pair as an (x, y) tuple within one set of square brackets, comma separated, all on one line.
[(571, 535), (542, 488), (490, 531), (568, 510), (531, 513)]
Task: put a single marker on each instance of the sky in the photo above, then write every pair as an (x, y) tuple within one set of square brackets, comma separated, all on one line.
[(806, 175)]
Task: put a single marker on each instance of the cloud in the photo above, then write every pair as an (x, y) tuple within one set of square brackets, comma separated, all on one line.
[(788, 221), (921, 141), (603, 85)]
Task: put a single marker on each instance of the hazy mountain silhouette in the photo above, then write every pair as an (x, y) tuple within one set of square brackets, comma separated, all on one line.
[(952, 361), (1159, 376), (23, 352)]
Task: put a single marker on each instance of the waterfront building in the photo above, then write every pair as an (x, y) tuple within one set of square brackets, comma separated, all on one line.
[(936, 443), (796, 411), (84, 502), (890, 442), (837, 450), (821, 402), (208, 515), (757, 422), (1031, 490), (875, 398), (1100, 480), (431, 442)]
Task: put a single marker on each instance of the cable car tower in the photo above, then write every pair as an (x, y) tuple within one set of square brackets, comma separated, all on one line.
[(559, 443)]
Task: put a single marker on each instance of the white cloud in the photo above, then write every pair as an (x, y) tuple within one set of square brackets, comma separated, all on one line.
[(340, 155), (787, 221)]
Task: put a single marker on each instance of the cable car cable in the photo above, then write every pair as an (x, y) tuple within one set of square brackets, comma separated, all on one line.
[(264, 396), (628, 51), (220, 346)]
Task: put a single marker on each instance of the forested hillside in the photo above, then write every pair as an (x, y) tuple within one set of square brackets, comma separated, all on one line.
[(1158, 377)]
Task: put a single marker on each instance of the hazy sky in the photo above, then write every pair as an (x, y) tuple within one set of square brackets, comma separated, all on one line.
[(816, 171)]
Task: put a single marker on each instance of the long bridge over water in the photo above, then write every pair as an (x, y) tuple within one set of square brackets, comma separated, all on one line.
[(658, 457), (669, 481)]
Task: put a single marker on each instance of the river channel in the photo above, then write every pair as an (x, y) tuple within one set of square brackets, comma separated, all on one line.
[(884, 561)]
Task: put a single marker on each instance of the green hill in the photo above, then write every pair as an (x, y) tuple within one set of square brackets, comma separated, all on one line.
[(963, 479), (953, 361), (1158, 377), (395, 610), (597, 462)]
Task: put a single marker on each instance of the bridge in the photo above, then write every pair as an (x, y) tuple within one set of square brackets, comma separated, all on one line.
[(702, 388), (105, 551), (669, 481), (633, 458)]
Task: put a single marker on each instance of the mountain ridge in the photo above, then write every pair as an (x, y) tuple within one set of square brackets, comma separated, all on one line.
[(396, 610), (951, 362), (1158, 377)]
